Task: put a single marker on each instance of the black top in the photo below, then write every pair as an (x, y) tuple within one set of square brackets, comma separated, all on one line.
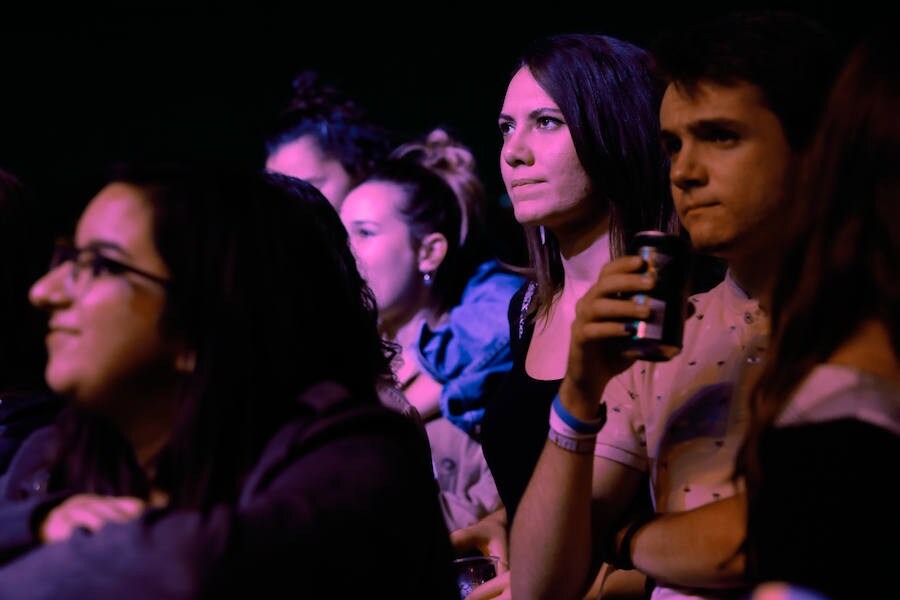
[(516, 420), (825, 514)]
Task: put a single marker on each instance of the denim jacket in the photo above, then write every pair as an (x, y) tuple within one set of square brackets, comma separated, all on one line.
[(468, 352)]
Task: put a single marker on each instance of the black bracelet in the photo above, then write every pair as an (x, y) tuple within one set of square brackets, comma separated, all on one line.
[(621, 557)]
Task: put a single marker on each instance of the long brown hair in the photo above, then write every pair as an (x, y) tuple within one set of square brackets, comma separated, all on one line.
[(609, 96), (844, 266)]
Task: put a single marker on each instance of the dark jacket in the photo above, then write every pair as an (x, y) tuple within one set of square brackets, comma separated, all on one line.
[(342, 504), (21, 414)]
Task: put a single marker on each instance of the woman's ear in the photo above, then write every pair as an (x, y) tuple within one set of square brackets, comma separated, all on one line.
[(432, 252)]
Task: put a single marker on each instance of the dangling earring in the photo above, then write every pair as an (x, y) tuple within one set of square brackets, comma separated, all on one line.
[(426, 277), (543, 234), (186, 362)]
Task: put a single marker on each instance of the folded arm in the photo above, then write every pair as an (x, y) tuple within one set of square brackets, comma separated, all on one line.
[(698, 548), (570, 506), (335, 505)]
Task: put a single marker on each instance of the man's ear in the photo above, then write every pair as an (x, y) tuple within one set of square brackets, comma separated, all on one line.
[(432, 252)]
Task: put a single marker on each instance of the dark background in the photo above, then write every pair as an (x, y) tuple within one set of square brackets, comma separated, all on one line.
[(83, 89)]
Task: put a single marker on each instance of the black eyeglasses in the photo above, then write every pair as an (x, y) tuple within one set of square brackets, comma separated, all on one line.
[(89, 264)]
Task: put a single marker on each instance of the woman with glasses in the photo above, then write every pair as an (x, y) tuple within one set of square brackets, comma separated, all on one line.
[(220, 355)]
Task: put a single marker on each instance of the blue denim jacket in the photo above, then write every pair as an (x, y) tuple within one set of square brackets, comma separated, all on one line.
[(468, 352)]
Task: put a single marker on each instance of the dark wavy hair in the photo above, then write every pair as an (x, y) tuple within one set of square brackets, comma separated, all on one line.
[(267, 294), (339, 125), (609, 97)]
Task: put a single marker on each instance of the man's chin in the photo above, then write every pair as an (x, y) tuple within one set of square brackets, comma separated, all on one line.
[(711, 247)]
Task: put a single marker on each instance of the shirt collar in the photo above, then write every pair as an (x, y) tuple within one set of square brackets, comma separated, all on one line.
[(736, 299)]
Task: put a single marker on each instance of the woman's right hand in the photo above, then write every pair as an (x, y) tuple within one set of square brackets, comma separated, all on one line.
[(488, 536), (87, 511), (498, 588), (602, 321)]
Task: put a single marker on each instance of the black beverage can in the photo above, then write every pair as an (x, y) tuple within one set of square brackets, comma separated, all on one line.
[(658, 338)]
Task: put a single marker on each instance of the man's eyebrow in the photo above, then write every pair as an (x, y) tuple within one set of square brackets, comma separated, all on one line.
[(716, 124)]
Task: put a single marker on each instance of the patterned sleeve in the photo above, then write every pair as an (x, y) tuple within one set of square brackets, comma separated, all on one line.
[(622, 437)]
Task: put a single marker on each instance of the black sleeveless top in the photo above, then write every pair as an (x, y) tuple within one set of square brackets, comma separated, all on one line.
[(516, 420)]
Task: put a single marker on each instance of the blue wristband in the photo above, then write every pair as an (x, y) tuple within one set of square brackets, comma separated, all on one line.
[(577, 424)]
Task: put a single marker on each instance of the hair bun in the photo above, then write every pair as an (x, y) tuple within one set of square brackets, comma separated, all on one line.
[(439, 152)]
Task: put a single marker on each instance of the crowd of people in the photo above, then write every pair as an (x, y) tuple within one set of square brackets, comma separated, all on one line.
[(321, 374)]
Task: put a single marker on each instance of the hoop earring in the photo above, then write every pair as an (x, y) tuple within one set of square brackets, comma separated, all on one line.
[(543, 233)]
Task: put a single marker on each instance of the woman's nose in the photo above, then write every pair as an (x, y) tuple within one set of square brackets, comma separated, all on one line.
[(517, 151), (51, 289)]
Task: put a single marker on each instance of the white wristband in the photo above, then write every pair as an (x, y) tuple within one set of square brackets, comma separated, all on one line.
[(576, 445)]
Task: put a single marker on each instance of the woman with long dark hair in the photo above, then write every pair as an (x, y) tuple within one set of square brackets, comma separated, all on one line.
[(825, 420), (220, 357), (584, 170)]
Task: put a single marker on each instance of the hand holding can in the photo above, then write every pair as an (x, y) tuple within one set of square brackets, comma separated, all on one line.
[(658, 338)]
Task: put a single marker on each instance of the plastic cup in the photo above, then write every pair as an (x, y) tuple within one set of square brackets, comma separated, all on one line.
[(472, 571)]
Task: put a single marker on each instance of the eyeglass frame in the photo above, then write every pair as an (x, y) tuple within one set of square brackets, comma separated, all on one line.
[(65, 251)]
